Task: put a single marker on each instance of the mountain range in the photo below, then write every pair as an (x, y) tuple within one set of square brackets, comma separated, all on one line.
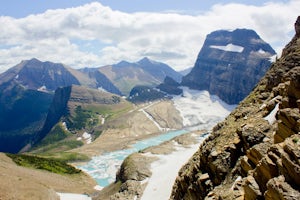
[(28, 90), (146, 72)]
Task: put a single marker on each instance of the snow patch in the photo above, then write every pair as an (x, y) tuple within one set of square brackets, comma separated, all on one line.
[(229, 47), (165, 170), (102, 120), (64, 124), (71, 196), (43, 88), (87, 137), (271, 117), (262, 51), (98, 188), (201, 110), (102, 89), (17, 76)]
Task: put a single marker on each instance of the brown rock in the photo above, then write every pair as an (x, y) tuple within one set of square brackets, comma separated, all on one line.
[(282, 132), (278, 189), (264, 171), (251, 134), (246, 166), (251, 189), (256, 153)]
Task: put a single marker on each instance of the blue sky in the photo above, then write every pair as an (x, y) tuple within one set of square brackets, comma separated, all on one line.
[(89, 33), (22, 8)]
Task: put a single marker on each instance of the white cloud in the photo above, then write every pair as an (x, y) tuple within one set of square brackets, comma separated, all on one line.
[(173, 38)]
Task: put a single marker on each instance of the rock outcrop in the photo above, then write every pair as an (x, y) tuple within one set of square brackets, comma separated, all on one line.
[(170, 86), (255, 152), (226, 61)]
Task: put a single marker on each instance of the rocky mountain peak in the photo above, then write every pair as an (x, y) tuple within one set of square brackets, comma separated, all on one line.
[(145, 60), (226, 61)]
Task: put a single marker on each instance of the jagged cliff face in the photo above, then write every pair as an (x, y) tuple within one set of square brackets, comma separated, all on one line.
[(255, 152), (226, 61)]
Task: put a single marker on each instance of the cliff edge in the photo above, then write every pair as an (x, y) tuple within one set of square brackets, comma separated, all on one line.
[(255, 152)]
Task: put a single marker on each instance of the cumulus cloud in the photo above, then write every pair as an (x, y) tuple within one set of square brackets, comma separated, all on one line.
[(65, 35)]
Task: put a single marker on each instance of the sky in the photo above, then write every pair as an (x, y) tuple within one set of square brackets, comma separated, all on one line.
[(89, 33)]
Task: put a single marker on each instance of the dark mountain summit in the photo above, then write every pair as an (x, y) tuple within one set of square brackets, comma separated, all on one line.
[(230, 64)]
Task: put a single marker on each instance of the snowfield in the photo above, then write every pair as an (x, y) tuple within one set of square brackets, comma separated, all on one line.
[(229, 47), (165, 170), (201, 110)]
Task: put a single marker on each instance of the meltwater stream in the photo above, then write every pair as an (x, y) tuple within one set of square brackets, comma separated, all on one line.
[(103, 168)]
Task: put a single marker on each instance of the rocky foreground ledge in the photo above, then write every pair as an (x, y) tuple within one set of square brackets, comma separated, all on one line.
[(255, 152)]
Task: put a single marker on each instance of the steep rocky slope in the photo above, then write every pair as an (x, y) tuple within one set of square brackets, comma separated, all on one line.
[(254, 153), (226, 61)]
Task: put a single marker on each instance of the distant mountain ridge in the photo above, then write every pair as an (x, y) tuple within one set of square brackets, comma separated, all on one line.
[(126, 75), (230, 64)]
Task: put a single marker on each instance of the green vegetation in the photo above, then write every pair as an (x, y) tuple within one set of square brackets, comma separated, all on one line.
[(83, 119), (56, 134), (66, 156), (60, 146), (108, 111), (51, 165)]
